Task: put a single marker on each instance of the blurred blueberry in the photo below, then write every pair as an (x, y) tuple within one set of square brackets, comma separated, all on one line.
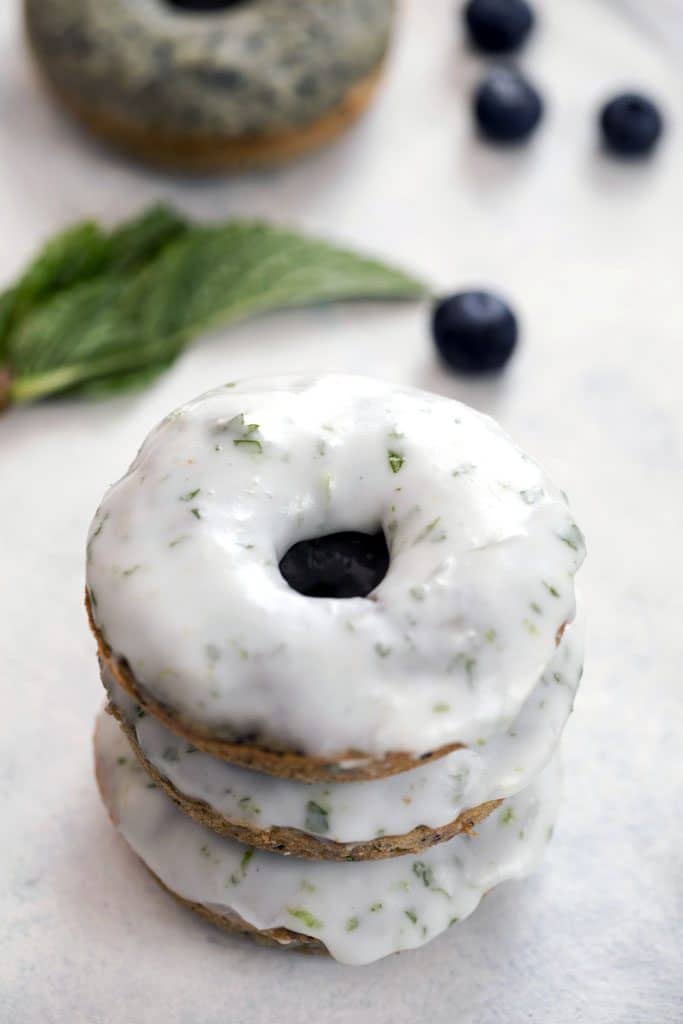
[(507, 107), (498, 26), (631, 124)]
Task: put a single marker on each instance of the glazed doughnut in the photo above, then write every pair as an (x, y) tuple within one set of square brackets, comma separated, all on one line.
[(207, 84), (196, 621), (357, 912), (347, 821)]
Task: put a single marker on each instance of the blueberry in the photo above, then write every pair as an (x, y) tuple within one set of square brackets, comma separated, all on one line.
[(345, 564), (498, 26), (475, 332), (631, 124), (507, 107)]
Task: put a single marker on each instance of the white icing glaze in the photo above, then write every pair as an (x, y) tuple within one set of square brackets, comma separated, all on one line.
[(183, 564), (361, 911), (433, 794)]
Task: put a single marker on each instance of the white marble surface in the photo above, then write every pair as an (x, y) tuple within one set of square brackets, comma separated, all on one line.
[(590, 252)]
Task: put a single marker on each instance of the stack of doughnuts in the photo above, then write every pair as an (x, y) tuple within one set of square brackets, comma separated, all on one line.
[(336, 628), (202, 85)]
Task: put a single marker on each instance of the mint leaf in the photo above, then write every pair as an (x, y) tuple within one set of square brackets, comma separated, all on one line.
[(82, 252), (101, 313), (74, 255)]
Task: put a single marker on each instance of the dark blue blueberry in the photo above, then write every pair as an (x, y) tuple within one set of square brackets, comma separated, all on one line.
[(631, 124), (338, 565), (475, 332), (498, 26), (507, 107)]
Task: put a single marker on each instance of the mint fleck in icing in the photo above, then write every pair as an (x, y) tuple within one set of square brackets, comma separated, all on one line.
[(241, 872), (247, 804), (506, 816), (395, 461), (252, 445), (423, 534), (317, 818), (196, 513), (306, 916), (532, 496), (464, 661), (190, 495), (352, 924), (573, 538), (426, 875)]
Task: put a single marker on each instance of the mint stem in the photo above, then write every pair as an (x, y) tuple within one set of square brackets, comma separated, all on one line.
[(5, 388)]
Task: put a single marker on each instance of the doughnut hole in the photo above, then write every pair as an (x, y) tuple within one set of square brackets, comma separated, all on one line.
[(203, 6), (348, 564)]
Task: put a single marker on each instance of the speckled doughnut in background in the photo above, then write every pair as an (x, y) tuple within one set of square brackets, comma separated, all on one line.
[(261, 81)]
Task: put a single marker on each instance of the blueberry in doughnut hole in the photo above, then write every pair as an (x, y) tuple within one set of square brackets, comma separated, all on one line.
[(196, 621)]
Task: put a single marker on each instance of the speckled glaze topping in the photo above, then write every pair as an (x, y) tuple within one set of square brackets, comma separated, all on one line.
[(184, 582), (361, 911), (432, 795), (260, 67)]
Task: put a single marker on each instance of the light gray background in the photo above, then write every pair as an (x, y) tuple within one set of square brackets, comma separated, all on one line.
[(590, 251)]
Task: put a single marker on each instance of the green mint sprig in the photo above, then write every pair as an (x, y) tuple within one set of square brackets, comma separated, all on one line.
[(102, 312)]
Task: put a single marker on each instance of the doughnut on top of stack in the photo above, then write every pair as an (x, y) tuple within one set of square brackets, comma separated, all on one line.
[(195, 620)]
